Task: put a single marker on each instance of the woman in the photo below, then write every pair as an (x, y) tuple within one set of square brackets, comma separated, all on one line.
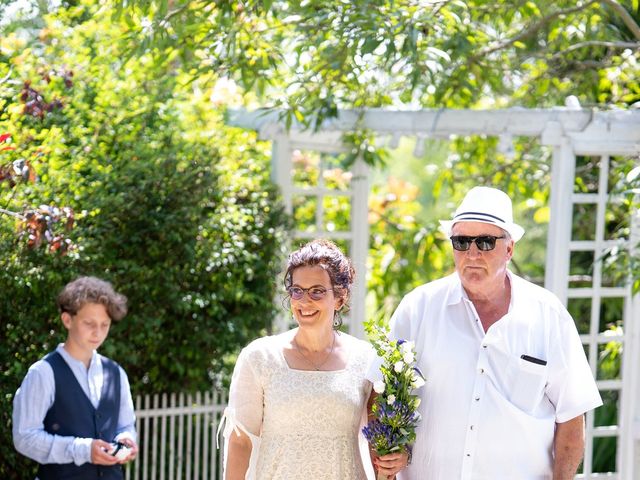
[(298, 400)]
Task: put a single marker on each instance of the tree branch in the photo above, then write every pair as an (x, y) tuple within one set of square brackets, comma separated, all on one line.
[(625, 16), (439, 6), (6, 78), (588, 65), (597, 43), (529, 31), (167, 18), (12, 214)]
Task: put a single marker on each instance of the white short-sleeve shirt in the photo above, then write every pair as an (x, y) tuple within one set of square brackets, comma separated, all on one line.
[(487, 413)]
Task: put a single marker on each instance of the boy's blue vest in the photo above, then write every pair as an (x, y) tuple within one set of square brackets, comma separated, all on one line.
[(73, 414)]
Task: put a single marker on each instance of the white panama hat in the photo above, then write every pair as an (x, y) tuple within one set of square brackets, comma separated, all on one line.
[(485, 205)]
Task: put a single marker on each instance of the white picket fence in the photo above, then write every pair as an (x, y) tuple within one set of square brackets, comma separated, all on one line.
[(177, 437)]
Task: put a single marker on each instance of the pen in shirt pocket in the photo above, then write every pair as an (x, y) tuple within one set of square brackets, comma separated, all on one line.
[(531, 359)]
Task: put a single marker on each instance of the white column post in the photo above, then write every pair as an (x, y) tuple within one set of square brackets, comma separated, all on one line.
[(559, 235), (629, 441), (281, 166), (359, 245)]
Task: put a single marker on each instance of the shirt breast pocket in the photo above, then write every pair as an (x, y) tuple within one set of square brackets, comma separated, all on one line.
[(528, 380)]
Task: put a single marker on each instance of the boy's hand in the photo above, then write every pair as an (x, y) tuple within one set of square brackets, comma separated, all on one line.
[(99, 455), (134, 450)]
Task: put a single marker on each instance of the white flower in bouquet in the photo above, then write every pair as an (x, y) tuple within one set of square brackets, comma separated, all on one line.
[(418, 381), (378, 386), (407, 347)]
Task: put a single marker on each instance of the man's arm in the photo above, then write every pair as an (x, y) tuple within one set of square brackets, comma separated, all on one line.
[(568, 448)]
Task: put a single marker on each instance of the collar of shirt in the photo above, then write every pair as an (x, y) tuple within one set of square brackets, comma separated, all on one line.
[(456, 293), (91, 379)]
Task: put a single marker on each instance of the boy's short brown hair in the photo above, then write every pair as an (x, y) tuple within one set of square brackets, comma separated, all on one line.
[(83, 290)]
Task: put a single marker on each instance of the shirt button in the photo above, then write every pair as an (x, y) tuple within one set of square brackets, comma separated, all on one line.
[(468, 454), (471, 427), (477, 399), (481, 370), (484, 346)]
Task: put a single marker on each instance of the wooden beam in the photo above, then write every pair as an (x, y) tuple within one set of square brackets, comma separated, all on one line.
[(446, 122)]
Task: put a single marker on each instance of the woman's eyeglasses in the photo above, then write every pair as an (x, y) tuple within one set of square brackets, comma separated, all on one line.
[(483, 242), (315, 293)]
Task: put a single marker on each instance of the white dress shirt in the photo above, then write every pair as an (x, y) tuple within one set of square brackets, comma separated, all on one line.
[(35, 397), (488, 414)]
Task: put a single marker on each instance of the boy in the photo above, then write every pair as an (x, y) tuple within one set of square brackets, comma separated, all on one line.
[(74, 403)]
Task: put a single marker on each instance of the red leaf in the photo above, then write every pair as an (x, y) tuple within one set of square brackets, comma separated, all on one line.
[(32, 173)]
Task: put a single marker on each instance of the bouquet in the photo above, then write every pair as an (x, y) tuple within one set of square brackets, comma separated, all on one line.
[(393, 428)]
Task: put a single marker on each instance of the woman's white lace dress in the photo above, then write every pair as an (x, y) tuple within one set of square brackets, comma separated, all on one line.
[(303, 424)]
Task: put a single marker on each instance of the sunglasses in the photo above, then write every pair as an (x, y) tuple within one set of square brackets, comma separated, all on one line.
[(315, 293), (484, 243)]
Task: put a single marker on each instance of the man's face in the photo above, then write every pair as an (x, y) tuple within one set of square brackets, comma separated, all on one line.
[(482, 271)]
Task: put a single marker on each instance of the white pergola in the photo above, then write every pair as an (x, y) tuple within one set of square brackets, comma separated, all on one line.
[(571, 133)]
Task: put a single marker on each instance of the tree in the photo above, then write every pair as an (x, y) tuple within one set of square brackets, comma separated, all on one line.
[(311, 58)]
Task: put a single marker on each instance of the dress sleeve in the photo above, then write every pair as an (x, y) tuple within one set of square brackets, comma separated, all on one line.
[(246, 393), (245, 408), (363, 444)]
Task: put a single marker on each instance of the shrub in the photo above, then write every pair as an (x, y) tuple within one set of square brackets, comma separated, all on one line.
[(172, 206)]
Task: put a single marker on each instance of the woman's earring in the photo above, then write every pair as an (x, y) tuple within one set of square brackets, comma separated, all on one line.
[(337, 319), (286, 303)]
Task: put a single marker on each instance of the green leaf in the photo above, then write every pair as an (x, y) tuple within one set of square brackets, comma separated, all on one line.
[(370, 44)]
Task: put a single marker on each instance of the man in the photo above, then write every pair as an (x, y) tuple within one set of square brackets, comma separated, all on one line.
[(508, 382)]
